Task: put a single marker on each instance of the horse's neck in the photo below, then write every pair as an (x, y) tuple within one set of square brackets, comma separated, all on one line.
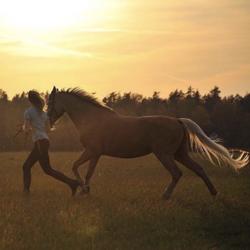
[(81, 113)]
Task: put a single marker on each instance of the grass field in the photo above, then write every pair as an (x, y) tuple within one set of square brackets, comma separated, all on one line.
[(124, 209)]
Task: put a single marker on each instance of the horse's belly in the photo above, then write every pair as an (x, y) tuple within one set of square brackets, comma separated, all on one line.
[(127, 150), (128, 155)]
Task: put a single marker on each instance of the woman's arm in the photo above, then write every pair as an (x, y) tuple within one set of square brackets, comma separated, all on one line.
[(26, 126)]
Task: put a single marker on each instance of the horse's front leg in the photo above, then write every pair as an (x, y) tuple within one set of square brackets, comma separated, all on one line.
[(86, 156), (91, 169)]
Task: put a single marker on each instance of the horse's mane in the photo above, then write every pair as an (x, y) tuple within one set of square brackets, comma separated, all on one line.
[(85, 97)]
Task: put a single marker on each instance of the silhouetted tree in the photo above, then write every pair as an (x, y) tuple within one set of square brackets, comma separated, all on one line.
[(212, 98)]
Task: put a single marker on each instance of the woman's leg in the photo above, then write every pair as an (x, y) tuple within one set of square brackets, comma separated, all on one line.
[(28, 164), (43, 147)]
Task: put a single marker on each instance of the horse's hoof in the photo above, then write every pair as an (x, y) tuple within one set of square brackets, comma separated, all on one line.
[(217, 196), (214, 193), (166, 197), (85, 190)]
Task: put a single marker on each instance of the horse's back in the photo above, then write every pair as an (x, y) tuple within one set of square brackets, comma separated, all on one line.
[(162, 132), (165, 132)]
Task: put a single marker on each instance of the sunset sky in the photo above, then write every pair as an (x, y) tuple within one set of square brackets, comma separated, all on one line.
[(125, 45)]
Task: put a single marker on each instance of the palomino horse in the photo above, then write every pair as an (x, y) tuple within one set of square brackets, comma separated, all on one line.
[(105, 132)]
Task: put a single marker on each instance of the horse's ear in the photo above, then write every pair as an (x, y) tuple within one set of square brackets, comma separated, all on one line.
[(53, 92)]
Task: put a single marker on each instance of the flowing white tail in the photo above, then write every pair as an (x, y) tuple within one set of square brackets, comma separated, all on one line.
[(211, 149)]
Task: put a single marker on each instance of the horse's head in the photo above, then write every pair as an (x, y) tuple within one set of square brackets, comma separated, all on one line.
[(55, 108)]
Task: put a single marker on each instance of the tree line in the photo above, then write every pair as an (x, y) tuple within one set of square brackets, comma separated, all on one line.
[(225, 117)]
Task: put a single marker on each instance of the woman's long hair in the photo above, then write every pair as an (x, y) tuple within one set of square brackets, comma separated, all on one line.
[(36, 100)]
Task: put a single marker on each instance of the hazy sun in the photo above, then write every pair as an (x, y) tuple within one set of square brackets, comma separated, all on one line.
[(46, 15)]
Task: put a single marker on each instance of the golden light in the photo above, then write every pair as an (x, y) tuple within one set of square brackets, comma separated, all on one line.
[(48, 15)]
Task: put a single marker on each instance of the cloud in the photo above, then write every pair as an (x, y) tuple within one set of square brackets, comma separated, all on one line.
[(36, 48)]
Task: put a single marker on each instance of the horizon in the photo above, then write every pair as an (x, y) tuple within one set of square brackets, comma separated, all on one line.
[(102, 46), (10, 97)]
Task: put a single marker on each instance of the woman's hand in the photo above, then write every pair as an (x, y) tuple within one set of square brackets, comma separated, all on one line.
[(49, 128)]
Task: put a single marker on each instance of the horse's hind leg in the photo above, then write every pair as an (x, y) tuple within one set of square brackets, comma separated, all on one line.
[(169, 164), (186, 160)]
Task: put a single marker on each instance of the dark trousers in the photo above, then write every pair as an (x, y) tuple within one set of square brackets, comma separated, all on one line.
[(40, 154)]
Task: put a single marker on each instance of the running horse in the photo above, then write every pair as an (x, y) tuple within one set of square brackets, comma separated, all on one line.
[(105, 132)]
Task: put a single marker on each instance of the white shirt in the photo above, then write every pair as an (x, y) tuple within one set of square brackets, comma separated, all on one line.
[(38, 122)]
